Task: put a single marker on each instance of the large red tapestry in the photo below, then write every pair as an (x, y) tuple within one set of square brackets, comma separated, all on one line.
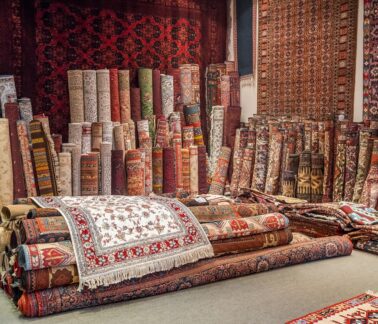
[(307, 57), (124, 34)]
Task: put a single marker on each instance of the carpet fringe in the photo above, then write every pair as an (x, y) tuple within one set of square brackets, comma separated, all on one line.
[(138, 271)]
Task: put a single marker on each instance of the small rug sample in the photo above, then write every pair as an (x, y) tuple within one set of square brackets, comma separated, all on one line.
[(116, 238), (360, 309)]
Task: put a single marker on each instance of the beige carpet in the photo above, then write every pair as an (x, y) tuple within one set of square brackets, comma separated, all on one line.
[(270, 297)]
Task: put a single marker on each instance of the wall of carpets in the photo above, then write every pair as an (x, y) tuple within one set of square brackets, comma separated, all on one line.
[(50, 37), (123, 139)]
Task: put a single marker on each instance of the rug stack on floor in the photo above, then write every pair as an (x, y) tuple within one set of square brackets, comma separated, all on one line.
[(63, 248)]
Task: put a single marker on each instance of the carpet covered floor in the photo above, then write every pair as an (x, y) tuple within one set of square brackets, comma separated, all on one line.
[(270, 297)]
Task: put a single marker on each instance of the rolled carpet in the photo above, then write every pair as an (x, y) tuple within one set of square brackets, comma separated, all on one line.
[(213, 213), (46, 255), (12, 212), (252, 242), (56, 300), (42, 212)]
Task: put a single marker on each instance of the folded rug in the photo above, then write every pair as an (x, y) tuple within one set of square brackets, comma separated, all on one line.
[(56, 300), (116, 238), (367, 246), (359, 309), (43, 212), (213, 213), (245, 226)]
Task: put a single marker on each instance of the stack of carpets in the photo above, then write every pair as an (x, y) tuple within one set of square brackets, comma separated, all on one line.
[(53, 270), (357, 221)]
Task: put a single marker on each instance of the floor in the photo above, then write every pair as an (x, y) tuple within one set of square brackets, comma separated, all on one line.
[(271, 297)]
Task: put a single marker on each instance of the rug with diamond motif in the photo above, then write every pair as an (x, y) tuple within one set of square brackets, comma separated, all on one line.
[(360, 309), (116, 238)]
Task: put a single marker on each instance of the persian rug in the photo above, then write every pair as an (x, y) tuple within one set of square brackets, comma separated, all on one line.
[(359, 309), (45, 174), (135, 173), (194, 172), (86, 137), (89, 174), (103, 95), (58, 141), (6, 188), (7, 91), (90, 96), (106, 168), (351, 155), (133, 237), (185, 169), (216, 135), (272, 183), (318, 68), (231, 124), (247, 210), (178, 164), (26, 111), (118, 173), (75, 133), (96, 136), (186, 84), (156, 91), (364, 157), (370, 106), (367, 246), (44, 230), (119, 137), (261, 159), (65, 162), (49, 278), (124, 95), (169, 179), (42, 212), (56, 300), (317, 177), (12, 114), (213, 213), (328, 159), (369, 196), (75, 151), (146, 97), (76, 95), (192, 118), (187, 136), (157, 170), (239, 227), (252, 242), (247, 167), (304, 176), (203, 186), (45, 255), (167, 96), (114, 96), (135, 103), (27, 162), (241, 141), (219, 178)]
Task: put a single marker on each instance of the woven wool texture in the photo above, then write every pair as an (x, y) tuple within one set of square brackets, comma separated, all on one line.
[(315, 84), (157, 170), (7, 91), (66, 173), (169, 179), (216, 135), (124, 95), (167, 94), (186, 84), (218, 181), (156, 86), (6, 189), (114, 95), (103, 95), (75, 90), (90, 95), (89, 174), (118, 173), (26, 111), (135, 173), (106, 168), (193, 161)]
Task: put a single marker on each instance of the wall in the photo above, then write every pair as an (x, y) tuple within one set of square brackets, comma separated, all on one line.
[(248, 86)]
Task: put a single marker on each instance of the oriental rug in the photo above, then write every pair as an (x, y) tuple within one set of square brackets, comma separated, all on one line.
[(360, 309), (306, 56), (116, 238), (56, 300)]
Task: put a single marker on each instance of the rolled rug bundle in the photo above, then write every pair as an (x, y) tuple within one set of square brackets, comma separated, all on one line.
[(328, 158), (42, 256), (246, 168), (146, 97), (288, 184), (119, 138), (157, 170), (203, 186), (185, 169), (193, 118), (231, 124), (255, 209), (369, 196), (7, 91), (135, 173), (26, 111), (103, 95), (89, 175), (169, 180), (225, 90), (162, 132), (86, 144), (196, 83), (13, 212), (186, 84), (241, 140), (178, 164), (216, 135), (96, 137), (42, 212), (6, 188), (304, 176), (148, 176), (90, 96), (193, 161), (135, 103), (27, 162), (214, 213), (317, 176), (65, 161), (261, 160), (43, 230), (167, 96), (12, 113), (156, 87), (61, 276), (114, 95), (351, 156), (106, 168), (124, 95), (118, 173), (274, 160), (187, 136), (107, 132), (339, 169), (58, 141), (76, 95), (75, 133), (218, 181)]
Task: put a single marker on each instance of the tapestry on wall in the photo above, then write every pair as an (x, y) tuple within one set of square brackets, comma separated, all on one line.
[(307, 57), (55, 36), (371, 59)]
